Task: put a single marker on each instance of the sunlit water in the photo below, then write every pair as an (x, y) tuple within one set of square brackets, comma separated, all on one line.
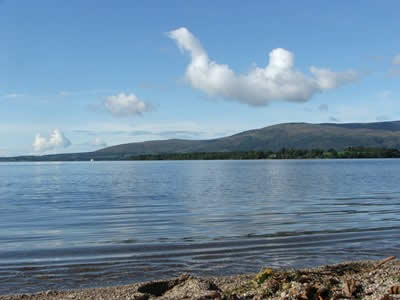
[(74, 225)]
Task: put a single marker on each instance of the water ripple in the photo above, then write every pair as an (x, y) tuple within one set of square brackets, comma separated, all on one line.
[(71, 225)]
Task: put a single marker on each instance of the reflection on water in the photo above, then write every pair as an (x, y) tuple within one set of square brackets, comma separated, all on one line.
[(70, 225)]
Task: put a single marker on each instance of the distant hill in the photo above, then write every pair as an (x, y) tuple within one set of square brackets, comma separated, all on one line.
[(287, 135)]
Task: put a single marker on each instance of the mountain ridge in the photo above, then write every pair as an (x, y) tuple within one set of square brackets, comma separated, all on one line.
[(325, 136), (275, 137)]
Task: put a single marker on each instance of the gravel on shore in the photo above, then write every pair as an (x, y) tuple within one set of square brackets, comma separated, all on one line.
[(378, 280)]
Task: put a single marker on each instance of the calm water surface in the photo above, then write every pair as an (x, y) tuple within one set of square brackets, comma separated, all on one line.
[(73, 225)]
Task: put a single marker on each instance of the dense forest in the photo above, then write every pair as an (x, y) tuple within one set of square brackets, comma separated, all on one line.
[(350, 152), (284, 153)]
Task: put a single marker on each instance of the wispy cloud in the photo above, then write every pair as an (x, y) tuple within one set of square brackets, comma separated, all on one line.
[(279, 80), (5, 152), (323, 107), (169, 133), (84, 92), (181, 133), (396, 60), (131, 133), (13, 95), (157, 86), (383, 118), (10, 152), (394, 72), (83, 131), (333, 119), (385, 94), (140, 132), (98, 142)]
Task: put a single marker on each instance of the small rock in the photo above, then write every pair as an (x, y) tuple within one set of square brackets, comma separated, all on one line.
[(323, 293), (395, 289), (350, 287), (386, 297), (304, 279), (333, 281), (140, 296), (193, 288)]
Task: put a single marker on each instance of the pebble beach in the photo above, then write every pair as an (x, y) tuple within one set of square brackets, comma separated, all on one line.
[(378, 280)]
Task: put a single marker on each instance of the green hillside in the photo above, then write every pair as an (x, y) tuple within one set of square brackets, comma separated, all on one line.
[(289, 135), (272, 138)]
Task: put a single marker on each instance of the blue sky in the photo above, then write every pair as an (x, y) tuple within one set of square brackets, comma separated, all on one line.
[(79, 75)]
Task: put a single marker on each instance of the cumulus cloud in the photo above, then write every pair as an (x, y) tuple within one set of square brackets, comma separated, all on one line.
[(396, 60), (124, 105), (279, 80), (57, 139)]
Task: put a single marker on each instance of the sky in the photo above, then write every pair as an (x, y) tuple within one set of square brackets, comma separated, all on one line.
[(82, 75)]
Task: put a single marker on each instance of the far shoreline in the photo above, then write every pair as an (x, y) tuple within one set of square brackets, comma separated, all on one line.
[(200, 160), (282, 154)]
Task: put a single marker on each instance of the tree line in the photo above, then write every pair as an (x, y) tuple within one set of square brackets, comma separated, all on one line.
[(284, 153)]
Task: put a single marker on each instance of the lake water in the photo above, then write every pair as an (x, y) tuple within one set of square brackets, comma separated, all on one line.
[(74, 225)]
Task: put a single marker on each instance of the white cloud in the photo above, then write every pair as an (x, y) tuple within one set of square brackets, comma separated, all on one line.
[(57, 139), (396, 60), (279, 80), (98, 142), (327, 79), (124, 105)]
